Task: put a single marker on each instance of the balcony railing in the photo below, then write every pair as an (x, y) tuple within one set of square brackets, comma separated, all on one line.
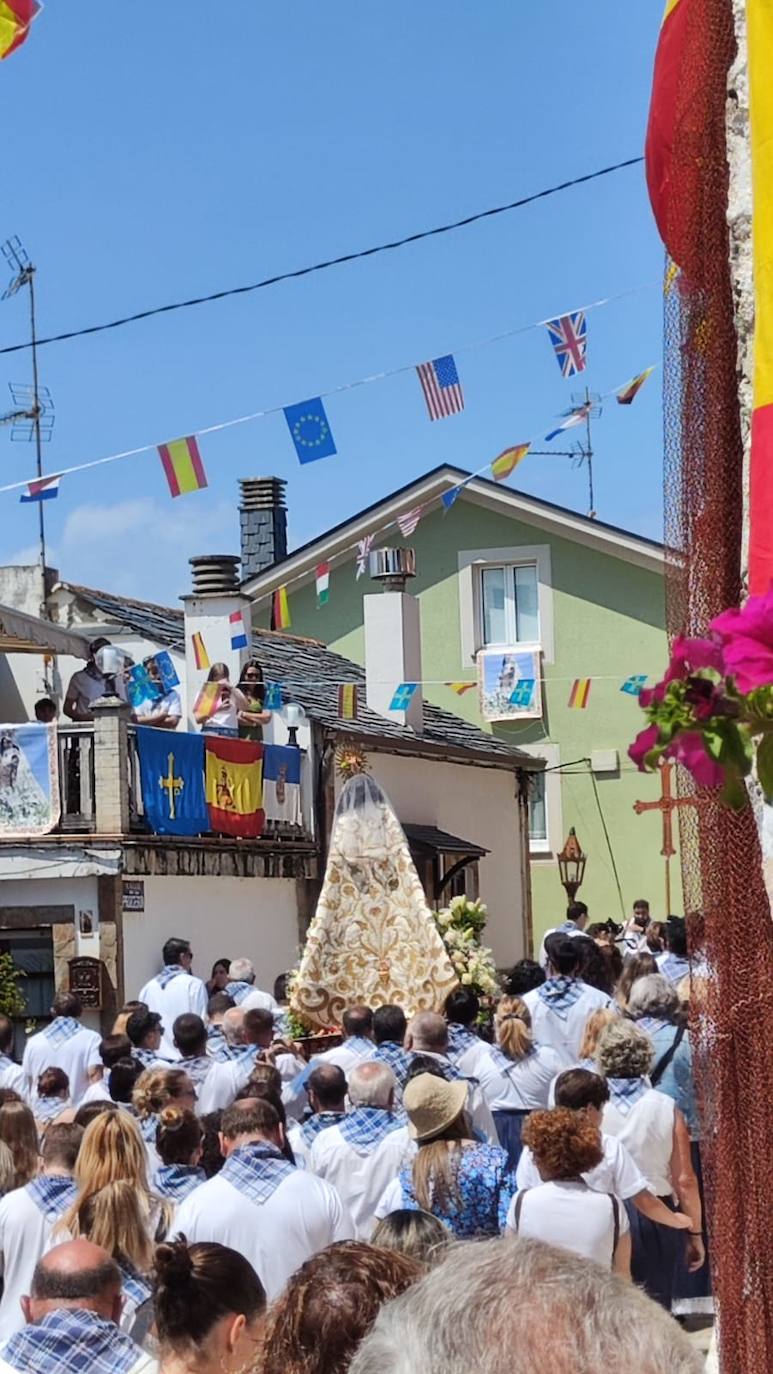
[(80, 777)]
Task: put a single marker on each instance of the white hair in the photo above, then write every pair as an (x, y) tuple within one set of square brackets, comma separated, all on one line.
[(653, 995), (514, 1305), (371, 1084), (233, 1026), (428, 1031), (241, 971)]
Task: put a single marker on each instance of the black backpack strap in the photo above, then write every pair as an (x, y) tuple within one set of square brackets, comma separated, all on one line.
[(665, 1059), (518, 1206), (616, 1215)]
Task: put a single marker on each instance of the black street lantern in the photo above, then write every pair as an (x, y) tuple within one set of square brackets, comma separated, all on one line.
[(571, 865)]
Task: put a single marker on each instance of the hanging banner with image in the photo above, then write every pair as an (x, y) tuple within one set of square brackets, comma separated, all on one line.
[(509, 684), (29, 780)]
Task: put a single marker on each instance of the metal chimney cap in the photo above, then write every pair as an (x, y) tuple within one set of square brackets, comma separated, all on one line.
[(215, 573), (392, 567)]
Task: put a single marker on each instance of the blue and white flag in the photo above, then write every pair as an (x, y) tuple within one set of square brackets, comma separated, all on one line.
[(310, 430), (29, 780), (282, 783), (172, 771)]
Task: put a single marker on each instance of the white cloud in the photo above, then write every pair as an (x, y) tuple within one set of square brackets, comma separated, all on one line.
[(28, 556), (140, 548)]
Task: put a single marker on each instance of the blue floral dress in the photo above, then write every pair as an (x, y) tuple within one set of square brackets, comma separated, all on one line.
[(485, 1186)]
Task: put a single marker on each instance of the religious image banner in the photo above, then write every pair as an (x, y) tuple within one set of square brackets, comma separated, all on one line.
[(234, 786), (29, 780), (509, 683), (282, 783), (172, 772)]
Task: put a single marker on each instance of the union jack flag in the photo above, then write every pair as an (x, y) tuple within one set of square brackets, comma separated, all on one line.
[(407, 523), (363, 550), (569, 337)]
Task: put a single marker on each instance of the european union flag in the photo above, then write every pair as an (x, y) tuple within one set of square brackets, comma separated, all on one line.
[(310, 430), (172, 771)]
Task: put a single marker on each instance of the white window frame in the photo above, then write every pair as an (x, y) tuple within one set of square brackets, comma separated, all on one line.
[(471, 562), (547, 849)]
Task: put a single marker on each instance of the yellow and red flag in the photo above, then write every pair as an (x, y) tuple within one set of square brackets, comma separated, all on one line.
[(234, 786), (280, 610), (207, 702), (677, 118), (578, 697), (347, 700), (200, 650), (16, 17), (760, 39), (461, 687), (183, 468), (507, 461), (626, 394)]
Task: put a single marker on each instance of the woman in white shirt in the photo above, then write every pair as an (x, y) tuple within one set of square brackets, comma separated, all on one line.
[(563, 1210), (655, 1133), (526, 1073), (218, 704)]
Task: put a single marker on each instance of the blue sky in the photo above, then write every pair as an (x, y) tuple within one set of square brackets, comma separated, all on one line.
[(167, 150)]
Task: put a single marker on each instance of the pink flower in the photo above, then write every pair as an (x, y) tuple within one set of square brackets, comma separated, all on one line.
[(645, 740), (748, 642), (689, 750), (689, 655)]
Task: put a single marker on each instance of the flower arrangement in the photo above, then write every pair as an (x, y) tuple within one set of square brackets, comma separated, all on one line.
[(460, 925), (713, 709)]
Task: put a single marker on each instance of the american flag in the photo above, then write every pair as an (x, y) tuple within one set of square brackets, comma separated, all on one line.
[(569, 337), (441, 386), (363, 549), (407, 523)]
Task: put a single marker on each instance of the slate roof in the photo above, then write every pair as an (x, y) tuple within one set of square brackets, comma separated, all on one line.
[(311, 673)]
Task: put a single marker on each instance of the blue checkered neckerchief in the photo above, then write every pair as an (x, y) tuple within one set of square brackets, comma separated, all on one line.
[(47, 1108), (227, 1054), (651, 1024), (626, 1092), (460, 1039), (215, 1037), (504, 1062), (674, 968), (398, 1059), (71, 1341), (52, 1194), (135, 1287), (176, 1181), (148, 1126), (568, 928), (449, 1070), (239, 991), (62, 1028), (168, 972), (360, 1046), (282, 1028), (145, 1057), (367, 1126), (197, 1068), (319, 1122), (256, 1171), (560, 995)]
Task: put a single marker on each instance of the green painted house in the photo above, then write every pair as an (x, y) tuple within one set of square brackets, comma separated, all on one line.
[(519, 581)]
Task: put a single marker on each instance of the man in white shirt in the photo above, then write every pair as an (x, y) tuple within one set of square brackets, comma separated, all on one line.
[(326, 1088), (63, 1044), (87, 685), (363, 1152), (11, 1073), (560, 1007), (175, 991), (241, 986), (358, 1045), (275, 1215), (216, 1083), (674, 964), (111, 1049), (427, 1036), (470, 1055), (574, 925), (28, 1216), (72, 1316)]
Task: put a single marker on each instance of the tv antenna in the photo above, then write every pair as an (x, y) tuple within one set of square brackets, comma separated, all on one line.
[(581, 452), (33, 416)]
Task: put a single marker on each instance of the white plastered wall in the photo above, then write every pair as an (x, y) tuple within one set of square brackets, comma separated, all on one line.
[(222, 918)]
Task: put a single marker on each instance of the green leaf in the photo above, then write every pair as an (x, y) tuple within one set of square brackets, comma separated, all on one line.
[(733, 792), (765, 765)]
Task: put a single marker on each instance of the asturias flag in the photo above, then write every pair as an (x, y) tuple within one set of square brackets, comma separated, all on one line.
[(172, 771), (282, 783), (234, 786)]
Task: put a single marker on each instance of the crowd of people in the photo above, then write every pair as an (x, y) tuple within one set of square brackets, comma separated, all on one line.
[(189, 1194)]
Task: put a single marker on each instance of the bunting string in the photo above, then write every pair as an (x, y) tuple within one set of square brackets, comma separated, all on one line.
[(193, 435)]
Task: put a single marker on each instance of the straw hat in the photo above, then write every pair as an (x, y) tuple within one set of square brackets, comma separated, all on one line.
[(432, 1104)]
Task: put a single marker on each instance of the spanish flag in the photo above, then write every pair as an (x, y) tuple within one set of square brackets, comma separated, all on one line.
[(234, 786), (15, 19), (760, 39), (507, 461), (631, 389), (200, 650), (578, 697), (280, 610), (183, 468), (347, 700), (681, 107)]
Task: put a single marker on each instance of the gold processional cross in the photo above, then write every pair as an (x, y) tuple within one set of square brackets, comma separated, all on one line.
[(666, 804), (171, 785)]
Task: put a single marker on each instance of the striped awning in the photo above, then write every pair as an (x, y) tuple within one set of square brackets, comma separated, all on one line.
[(28, 634)]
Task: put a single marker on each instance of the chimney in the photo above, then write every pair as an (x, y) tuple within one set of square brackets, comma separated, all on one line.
[(393, 637), (263, 523), (210, 634)]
